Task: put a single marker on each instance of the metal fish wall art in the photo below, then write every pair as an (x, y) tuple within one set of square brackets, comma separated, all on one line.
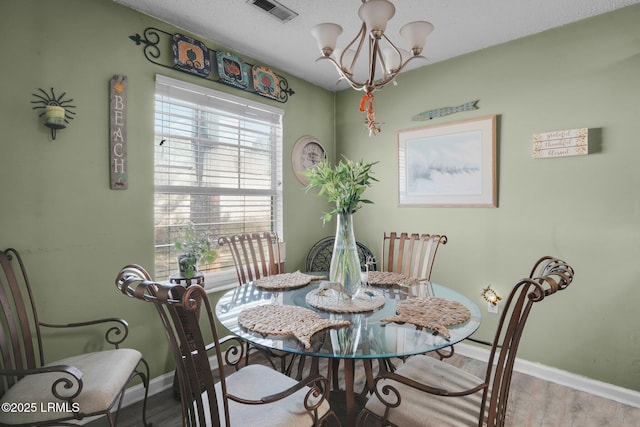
[(445, 111)]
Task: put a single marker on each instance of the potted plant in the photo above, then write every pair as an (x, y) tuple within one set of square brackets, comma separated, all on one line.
[(343, 185), (196, 248)]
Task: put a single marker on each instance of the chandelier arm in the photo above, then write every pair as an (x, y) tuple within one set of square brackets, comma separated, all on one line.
[(410, 59), (355, 85), (395, 49), (361, 35), (389, 79), (374, 48)]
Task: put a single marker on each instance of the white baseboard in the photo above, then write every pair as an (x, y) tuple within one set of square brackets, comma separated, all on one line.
[(135, 393), (557, 376)]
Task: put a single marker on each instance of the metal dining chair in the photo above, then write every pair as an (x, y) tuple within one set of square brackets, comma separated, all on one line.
[(319, 256), (65, 391), (426, 391), (251, 395)]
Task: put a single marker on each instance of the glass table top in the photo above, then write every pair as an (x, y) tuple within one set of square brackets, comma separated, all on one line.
[(366, 337)]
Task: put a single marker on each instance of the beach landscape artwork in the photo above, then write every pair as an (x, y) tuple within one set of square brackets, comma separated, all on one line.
[(448, 165), (445, 165)]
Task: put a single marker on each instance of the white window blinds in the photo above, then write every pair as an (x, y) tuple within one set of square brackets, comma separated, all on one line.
[(217, 165)]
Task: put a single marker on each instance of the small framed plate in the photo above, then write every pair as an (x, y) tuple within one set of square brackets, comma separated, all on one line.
[(232, 70), (191, 55), (266, 82)]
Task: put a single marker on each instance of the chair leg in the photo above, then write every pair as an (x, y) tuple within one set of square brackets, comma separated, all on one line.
[(112, 422), (144, 377), (145, 381)]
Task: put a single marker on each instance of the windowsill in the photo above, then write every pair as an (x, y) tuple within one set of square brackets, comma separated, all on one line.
[(220, 281)]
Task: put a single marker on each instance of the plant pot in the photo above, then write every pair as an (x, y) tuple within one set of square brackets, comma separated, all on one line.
[(188, 265)]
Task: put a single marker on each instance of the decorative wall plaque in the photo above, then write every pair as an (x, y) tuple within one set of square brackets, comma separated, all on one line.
[(191, 55), (118, 133), (232, 70), (266, 82), (562, 143)]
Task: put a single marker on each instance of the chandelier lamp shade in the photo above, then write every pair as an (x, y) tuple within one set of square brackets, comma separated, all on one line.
[(385, 59)]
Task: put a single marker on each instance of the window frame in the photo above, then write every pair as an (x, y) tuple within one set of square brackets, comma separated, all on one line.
[(210, 103)]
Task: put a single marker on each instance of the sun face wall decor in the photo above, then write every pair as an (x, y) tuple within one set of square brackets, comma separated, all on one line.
[(56, 110)]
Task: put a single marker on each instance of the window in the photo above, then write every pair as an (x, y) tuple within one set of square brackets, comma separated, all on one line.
[(217, 165)]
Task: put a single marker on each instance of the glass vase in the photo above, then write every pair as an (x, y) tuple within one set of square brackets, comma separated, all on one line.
[(345, 263)]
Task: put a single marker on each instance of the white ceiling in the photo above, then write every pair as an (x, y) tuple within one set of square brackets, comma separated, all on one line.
[(461, 26)]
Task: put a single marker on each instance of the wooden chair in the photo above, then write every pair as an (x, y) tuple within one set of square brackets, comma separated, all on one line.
[(255, 255), (410, 254), (62, 391), (319, 256), (254, 395), (426, 391)]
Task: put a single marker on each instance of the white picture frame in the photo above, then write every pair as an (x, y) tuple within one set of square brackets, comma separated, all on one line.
[(448, 165)]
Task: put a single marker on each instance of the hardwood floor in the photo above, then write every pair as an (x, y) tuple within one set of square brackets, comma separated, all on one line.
[(532, 403)]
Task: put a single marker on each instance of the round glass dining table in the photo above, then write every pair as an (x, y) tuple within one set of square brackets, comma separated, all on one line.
[(366, 337)]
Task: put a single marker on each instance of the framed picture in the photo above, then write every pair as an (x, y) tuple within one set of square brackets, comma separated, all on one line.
[(448, 165)]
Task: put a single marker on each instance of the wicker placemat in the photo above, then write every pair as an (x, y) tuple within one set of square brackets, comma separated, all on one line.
[(273, 319), (387, 278), (328, 300), (286, 281), (432, 313)]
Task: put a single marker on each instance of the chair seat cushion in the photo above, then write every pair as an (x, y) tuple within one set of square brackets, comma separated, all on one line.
[(424, 409), (104, 375), (258, 381)]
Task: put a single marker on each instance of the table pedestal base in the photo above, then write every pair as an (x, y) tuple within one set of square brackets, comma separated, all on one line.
[(347, 403)]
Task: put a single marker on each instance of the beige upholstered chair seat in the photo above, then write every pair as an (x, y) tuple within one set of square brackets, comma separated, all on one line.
[(286, 412), (103, 374), (417, 410)]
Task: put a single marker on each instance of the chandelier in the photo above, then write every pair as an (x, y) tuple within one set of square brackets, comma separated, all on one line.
[(385, 58)]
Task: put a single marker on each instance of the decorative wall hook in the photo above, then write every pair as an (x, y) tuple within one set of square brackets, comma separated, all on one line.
[(57, 111)]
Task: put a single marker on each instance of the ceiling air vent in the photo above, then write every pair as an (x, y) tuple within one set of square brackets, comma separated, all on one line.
[(275, 9)]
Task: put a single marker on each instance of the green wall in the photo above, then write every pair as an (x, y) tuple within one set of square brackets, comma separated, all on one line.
[(76, 233), (583, 209), (56, 205)]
